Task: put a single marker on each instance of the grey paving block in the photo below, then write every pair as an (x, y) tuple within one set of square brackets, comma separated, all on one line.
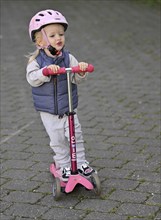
[(97, 205), (16, 174), (115, 173), (123, 184), (23, 197), (45, 157), (21, 185), (41, 166), (67, 201), (42, 177), (138, 210), (62, 213), (17, 164), (154, 199), (100, 215), (25, 210), (129, 196), (112, 163), (158, 215), (15, 155), (119, 109), (5, 205), (146, 175), (4, 217), (150, 187)]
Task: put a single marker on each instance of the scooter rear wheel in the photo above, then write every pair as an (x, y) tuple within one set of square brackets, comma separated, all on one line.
[(56, 189), (96, 183)]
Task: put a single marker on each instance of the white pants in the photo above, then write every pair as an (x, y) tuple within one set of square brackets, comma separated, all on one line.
[(58, 131)]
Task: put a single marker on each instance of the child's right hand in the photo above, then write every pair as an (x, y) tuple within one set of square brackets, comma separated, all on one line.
[(53, 68), (50, 70)]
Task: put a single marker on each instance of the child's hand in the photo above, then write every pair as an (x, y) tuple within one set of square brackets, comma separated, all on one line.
[(54, 68), (83, 66)]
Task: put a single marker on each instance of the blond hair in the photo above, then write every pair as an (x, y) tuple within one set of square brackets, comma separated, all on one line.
[(32, 56)]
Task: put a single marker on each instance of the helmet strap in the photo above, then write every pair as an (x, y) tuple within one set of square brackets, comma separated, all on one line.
[(51, 49)]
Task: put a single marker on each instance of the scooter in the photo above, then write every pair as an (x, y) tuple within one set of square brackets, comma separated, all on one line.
[(90, 183)]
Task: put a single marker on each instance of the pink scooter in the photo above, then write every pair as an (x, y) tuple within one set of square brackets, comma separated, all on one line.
[(90, 183)]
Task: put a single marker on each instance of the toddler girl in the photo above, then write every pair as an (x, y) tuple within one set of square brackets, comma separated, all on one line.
[(50, 95)]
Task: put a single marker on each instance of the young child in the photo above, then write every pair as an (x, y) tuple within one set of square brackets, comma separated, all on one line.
[(47, 30)]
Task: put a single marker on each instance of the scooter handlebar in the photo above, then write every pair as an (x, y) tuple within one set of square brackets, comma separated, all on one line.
[(76, 69), (63, 70)]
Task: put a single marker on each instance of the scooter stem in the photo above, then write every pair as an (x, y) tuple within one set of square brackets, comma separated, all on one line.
[(69, 91), (71, 127)]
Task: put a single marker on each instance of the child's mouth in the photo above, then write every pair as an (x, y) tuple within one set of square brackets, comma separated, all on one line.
[(59, 44)]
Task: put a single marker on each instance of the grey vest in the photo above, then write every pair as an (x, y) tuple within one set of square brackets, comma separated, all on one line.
[(52, 97)]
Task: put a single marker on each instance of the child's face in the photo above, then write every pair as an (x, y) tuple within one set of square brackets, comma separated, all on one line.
[(55, 35)]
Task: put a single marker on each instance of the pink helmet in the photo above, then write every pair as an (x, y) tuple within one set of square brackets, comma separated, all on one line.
[(45, 17)]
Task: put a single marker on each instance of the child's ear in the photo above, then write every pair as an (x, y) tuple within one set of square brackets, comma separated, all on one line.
[(39, 39), (39, 42)]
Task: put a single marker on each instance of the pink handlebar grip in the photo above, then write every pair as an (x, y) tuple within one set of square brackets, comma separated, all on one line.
[(48, 71), (76, 69), (62, 70)]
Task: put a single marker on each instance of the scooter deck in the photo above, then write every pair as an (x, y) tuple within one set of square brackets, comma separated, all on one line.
[(72, 181)]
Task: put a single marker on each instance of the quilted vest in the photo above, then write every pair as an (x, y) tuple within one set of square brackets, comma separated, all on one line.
[(52, 97)]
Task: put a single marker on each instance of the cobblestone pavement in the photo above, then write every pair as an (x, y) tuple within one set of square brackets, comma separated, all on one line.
[(119, 111)]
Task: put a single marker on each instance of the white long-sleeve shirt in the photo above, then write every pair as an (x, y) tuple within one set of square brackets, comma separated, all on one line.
[(36, 78)]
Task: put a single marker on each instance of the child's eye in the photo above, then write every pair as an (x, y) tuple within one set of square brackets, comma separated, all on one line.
[(61, 34), (52, 35)]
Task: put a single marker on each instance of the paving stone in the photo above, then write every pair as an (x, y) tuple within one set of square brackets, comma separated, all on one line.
[(144, 164), (65, 202), (4, 217), (21, 185), (18, 155), (112, 163), (23, 197), (155, 199), (5, 205), (62, 213), (146, 175), (25, 210), (17, 164), (119, 111), (17, 174), (43, 176), (41, 157), (102, 153), (97, 204), (129, 196), (111, 173), (41, 166), (122, 140), (138, 210), (100, 215), (158, 216), (149, 187), (123, 184), (15, 146)]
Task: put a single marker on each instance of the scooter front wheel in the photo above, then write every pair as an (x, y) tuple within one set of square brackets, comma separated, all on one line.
[(57, 189), (96, 183)]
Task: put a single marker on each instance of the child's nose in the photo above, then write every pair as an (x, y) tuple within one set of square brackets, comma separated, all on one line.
[(57, 36)]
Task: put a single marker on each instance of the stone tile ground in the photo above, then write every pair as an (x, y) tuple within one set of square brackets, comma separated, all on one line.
[(119, 111)]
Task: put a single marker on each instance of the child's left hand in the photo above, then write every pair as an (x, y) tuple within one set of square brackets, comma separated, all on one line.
[(83, 66)]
